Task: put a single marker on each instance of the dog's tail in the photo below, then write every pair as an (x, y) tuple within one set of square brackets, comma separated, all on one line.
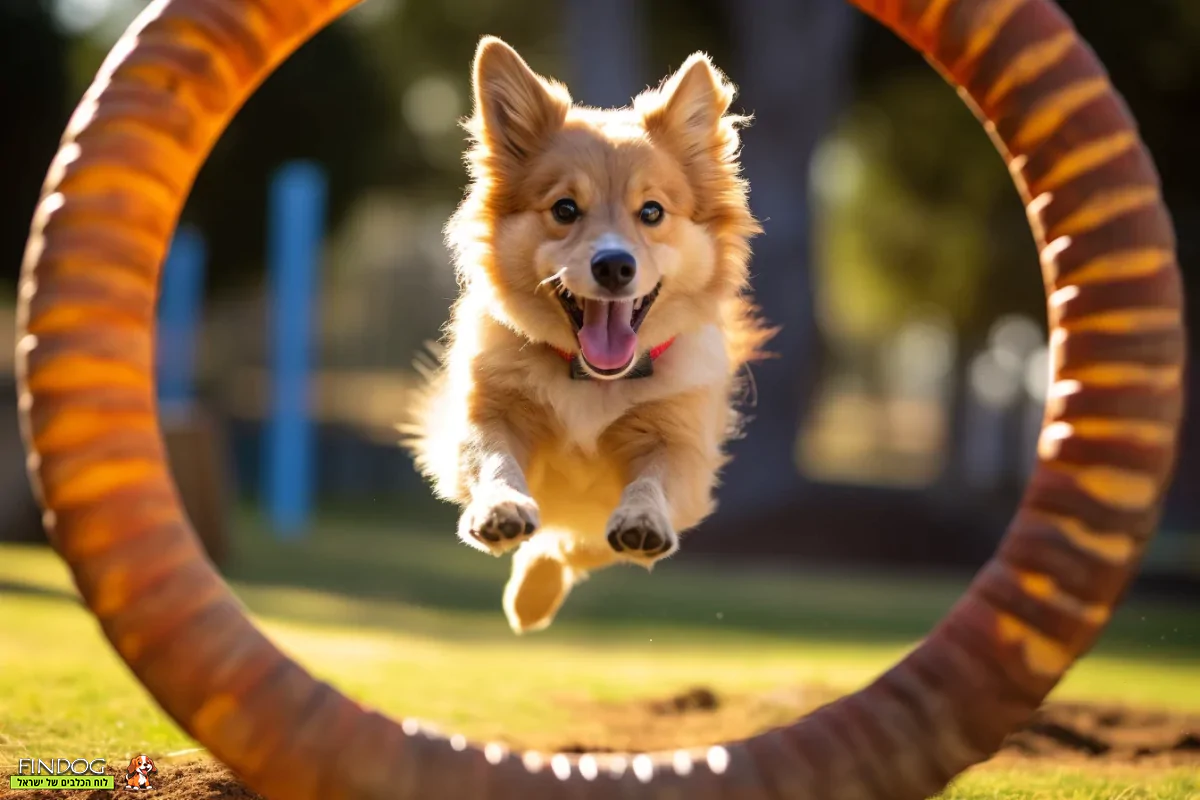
[(543, 574), (421, 400)]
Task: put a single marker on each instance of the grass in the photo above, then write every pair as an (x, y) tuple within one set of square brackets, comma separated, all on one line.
[(409, 621), (1075, 784)]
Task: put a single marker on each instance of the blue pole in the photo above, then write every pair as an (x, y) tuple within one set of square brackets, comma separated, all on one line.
[(182, 297), (295, 238)]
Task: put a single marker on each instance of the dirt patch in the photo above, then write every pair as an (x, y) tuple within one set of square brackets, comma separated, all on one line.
[(1108, 733), (698, 716), (1059, 732)]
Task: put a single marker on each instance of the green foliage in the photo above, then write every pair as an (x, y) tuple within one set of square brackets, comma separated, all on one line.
[(904, 217), (1152, 53), (917, 207), (420, 45), (933, 219), (929, 214), (329, 103)]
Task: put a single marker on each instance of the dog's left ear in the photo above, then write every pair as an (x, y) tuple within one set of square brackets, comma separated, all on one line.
[(688, 111), (516, 110)]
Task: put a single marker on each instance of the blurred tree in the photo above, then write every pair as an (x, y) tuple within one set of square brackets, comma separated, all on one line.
[(1152, 53), (791, 60), (673, 35), (608, 33), (34, 108), (917, 211), (912, 150), (917, 207), (920, 207), (425, 51), (330, 103)]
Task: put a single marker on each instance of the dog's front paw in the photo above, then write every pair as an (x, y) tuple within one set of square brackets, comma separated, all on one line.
[(498, 520), (642, 535)]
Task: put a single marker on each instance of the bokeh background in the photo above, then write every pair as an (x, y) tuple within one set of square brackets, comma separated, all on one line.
[(890, 442), (898, 424)]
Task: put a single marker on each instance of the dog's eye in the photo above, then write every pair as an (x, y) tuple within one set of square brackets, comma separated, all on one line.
[(651, 213), (565, 211)]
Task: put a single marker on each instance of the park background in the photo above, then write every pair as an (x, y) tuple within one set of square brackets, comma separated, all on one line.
[(890, 439)]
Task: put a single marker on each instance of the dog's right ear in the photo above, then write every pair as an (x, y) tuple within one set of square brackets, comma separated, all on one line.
[(516, 110)]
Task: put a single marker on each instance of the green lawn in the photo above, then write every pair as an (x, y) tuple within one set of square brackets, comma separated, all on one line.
[(410, 622)]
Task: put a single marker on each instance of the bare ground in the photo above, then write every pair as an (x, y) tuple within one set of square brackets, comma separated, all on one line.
[(1103, 735)]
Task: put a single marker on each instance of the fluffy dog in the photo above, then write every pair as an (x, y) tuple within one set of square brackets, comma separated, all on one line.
[(592, 364)]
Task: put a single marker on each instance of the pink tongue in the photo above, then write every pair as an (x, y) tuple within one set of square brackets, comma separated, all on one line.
[(607, 337)]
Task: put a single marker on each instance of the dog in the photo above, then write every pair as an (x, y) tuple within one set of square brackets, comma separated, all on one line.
[(137, 774), (594, 362)]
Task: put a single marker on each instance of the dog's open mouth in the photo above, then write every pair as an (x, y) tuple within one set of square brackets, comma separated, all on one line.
[(606, 329)]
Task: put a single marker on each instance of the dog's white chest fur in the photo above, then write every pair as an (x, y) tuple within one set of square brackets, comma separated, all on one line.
[(585, 409)]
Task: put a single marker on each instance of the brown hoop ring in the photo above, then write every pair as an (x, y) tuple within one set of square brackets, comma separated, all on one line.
[(86, 316)]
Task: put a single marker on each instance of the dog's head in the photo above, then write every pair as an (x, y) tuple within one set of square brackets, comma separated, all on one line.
[(142, 765), (602, 231)]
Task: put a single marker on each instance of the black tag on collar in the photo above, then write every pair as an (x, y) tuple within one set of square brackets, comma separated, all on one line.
[(644, 368)]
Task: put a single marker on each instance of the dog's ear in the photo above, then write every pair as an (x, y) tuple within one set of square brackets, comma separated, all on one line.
[(687, 112), (516, 110)]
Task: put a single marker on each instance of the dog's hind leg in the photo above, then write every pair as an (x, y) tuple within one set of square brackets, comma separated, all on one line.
[(535, 591), (545, 569)]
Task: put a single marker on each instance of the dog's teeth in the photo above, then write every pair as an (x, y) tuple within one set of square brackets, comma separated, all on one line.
[(637, 304)]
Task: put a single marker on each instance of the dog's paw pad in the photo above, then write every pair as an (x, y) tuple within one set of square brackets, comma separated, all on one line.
[(499, 521), (642, 536)]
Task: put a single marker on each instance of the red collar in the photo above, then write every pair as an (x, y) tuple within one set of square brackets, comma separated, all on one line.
[(655, 352)]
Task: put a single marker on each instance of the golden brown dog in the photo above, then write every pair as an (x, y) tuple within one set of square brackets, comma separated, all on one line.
[(592, 363)]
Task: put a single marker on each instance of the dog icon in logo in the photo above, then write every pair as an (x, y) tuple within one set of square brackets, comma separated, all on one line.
[(137, 774)]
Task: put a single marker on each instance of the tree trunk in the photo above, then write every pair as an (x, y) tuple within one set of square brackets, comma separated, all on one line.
[(792, 68), (1183, 501), (604, 43), (20, 517)]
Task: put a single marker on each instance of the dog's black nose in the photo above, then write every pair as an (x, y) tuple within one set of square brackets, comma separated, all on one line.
[(613, 269)]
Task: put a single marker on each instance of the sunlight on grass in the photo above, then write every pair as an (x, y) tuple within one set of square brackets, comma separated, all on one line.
[(411, 624), (1074, 783)]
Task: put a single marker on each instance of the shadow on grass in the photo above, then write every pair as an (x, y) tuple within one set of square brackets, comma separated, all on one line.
[(32, 590), (419, 578)]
